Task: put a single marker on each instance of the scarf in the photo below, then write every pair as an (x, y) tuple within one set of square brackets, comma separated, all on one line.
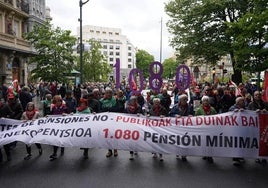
[(206, 109), (81, 108), (30, 114), (156, 110)]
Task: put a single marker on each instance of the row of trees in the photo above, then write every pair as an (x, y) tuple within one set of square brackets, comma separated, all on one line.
[(55, 58), (210, 29), (203, 30)]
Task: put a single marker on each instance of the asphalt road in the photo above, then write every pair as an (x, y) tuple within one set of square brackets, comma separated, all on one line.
[(72, 171)]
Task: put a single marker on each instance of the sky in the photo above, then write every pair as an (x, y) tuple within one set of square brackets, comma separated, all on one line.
[(139, 20)]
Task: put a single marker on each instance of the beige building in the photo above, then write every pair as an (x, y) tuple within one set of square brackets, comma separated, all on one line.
[(16, 18), (115, 45)]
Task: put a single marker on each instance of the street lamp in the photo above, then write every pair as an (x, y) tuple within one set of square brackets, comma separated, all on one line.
[(81, 44), (213, 75)]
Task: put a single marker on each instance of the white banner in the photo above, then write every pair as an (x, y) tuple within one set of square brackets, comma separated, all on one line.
[(232, 134)]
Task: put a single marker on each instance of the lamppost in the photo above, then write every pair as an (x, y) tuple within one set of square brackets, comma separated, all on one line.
[(81, 49), (213, 75)]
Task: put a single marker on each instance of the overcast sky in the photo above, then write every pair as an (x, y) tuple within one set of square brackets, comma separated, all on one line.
[(139, 20)]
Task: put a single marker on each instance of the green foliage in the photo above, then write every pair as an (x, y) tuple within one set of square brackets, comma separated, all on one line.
[(210, 29), (143, 61), (251, 36), (54, 58), (169, 65), (95, 66)]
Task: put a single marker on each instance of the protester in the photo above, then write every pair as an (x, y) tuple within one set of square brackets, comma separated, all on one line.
[(182, 108), (238, 106), (93, 103), (16, 109), (259, 106), (158, 110), (165, 99), (25, 97), (70, 102), (47, 105), (31, 114), (5, 112), (83, 109), (133, 107), (109, 104), (206, 109), (58, 108)]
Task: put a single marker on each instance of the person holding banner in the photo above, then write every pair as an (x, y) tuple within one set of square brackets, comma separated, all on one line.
[(238, 106), (133, 107), (83, 109), (157, 110), (31, 114), (206, 109), (5, 112), (58, 108), (16, 109), (109, 104), (182, 108), (259, 106)]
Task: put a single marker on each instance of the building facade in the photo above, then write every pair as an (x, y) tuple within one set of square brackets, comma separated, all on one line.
[(114, 46), (16, 18)]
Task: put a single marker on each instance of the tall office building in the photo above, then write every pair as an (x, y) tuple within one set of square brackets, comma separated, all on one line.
[(114, 46)]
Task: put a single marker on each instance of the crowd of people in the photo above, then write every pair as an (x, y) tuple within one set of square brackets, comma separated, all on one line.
[(61, 99)]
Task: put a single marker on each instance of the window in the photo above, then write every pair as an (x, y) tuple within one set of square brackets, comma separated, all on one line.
[(104, 32), (1, 26), (111, 47), (98, 32), (117, 53), (116, 33), (129, 48), (104, 46), (111, 53), (105, 53), (110, 33), (129, 54), (117, 47), (91, 31), (129, 60), (16, 28), (129, 66), (111, 40)]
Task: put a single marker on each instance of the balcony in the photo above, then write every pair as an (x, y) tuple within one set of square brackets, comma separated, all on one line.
[(21, 8), (12, 42)]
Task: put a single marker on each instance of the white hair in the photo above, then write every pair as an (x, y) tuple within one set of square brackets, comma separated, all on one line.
[(205, 98)]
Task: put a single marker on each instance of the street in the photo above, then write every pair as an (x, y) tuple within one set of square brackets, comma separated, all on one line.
[(71, 170)]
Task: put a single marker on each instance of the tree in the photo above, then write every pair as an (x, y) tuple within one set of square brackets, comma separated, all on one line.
[(251, 37), (54, 59), (143, 61), (202, 29), (95, 66), (169, 65)]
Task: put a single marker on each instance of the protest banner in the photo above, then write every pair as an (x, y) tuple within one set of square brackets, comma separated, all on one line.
[(231, 134)]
